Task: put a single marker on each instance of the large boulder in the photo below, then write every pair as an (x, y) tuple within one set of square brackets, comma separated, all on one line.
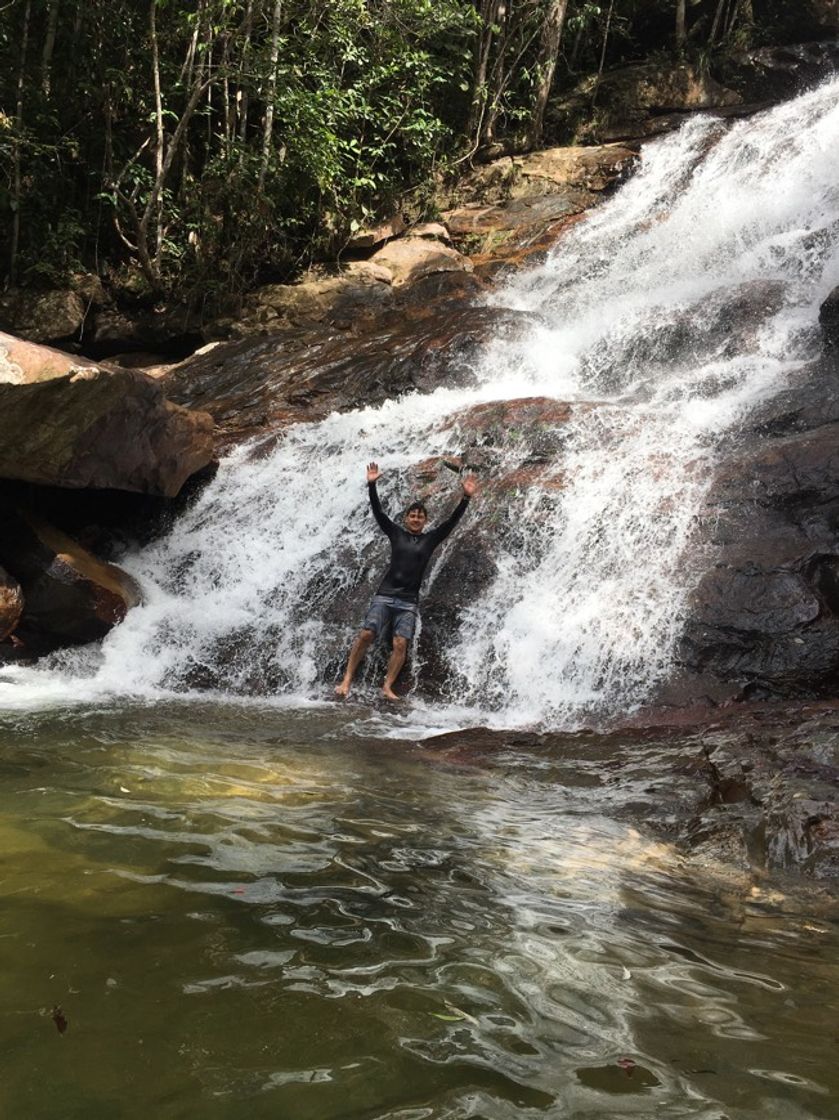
[(43, 316), (372, 236), (636, 101), (69, 422), (173, 330), (411, 258), (513, 207), (70, 597), (259, 385), (587, 170), (769, 74), (764, 620), (766, 616), (339, 296)]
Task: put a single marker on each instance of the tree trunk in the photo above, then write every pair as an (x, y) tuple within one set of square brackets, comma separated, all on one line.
[(17, 193), (746, 18), (715, 26), (158, 120), (49, 47), (681, 24), (483, 48), (548, 54), (242, 92), (495, 85), (272, 94), (603, 52)]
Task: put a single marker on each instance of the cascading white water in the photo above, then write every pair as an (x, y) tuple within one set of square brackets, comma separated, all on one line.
[(584, 615)]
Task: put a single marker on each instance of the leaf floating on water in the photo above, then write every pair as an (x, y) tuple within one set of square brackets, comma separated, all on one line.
[(59, 1020), (461, 1014), (456, 1015)]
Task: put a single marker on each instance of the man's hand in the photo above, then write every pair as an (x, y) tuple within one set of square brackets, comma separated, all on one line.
[(470, 485), (373, 472)]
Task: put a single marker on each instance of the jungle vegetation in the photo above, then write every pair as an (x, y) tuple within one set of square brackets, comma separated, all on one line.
[(198, 147)]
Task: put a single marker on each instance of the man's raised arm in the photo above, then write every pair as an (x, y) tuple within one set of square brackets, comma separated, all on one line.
[(470, 487), (384, 522)]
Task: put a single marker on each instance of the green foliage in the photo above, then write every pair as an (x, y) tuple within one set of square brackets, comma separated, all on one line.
[(365, 98), (364, 103)]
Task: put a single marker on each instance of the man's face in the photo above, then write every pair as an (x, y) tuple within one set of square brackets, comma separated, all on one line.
[(415, 520)]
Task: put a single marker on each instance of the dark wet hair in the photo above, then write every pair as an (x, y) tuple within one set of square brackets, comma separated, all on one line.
[(416, 505)]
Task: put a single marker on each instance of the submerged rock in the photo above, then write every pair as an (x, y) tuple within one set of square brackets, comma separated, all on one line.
[(72, 423), (756, 792)]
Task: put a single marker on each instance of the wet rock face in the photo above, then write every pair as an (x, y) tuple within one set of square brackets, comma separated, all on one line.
[(515, 208), (259, 385), (829, 319), (71, 423), (765, 617), (756, 792), (770, 799)]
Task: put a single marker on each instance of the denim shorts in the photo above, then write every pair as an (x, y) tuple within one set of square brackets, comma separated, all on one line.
[(387, 613)]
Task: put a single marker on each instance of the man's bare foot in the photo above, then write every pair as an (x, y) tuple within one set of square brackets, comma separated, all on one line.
[(389, 694), (342, 689)]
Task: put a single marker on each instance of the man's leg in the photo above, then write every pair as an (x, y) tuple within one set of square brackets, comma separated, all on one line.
[(359, 648), (397, 660)]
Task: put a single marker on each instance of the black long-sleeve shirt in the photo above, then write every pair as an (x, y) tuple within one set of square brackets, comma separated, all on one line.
[(409, 552)]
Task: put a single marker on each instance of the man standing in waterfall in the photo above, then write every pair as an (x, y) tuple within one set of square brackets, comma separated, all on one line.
[(395, 604)]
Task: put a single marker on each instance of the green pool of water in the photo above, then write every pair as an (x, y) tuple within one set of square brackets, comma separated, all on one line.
[(229, 913)]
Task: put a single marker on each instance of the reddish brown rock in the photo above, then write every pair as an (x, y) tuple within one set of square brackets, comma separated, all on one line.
[(517, 202), (70, 596), (259, 385), (68, 422), (550, 171)]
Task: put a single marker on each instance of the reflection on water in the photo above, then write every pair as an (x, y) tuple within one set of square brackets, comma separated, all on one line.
[(241, 915)]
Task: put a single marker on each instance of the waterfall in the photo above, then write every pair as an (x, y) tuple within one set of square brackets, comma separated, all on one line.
[(632, 328)]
